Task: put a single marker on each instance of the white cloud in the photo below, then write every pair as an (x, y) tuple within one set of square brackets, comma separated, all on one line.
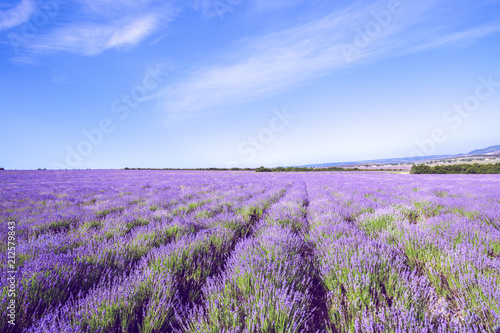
[(282, 60), (92, 39), (466, 36), (100, 25), (134, 32), (20, 14)]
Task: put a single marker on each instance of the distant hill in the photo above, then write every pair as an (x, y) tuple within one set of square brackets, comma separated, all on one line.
[(493, 150), (486, 152)]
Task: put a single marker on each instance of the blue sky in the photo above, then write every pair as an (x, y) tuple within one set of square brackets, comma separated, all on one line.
[(223, 83)]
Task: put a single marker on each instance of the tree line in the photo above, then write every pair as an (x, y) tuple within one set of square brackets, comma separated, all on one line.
[(302, 169), (475, 168), (264, 169)]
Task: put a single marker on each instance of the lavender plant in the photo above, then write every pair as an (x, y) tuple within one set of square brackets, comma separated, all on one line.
[(183, 251)]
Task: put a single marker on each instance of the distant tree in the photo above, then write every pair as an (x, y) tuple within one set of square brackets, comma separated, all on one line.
[(262, 169), (457, 169), (420, 169), (2, 169)]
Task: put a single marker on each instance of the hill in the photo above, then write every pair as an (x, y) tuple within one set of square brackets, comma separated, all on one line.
[(475, 155)]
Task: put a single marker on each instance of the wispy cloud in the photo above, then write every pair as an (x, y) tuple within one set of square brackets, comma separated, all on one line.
[(18, 15), (214, 8), (285, 59), (461, 37), (99, 26), (92, 38), (133, 32)]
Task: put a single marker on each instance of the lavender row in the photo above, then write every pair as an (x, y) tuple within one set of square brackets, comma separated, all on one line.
[(237, 227), (52, 278), (358, 259), (187, 263), (266, 286), (459, 256), (410, 252), (149, 297)]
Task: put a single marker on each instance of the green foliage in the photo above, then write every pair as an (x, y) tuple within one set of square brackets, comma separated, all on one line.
[(103, 213), (374, 225), (457, 169), (56, 226), (306, 169), (89, 225), (137, 222), (262, 169)]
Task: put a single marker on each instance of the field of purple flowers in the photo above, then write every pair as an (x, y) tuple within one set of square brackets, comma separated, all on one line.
[(181, 251)]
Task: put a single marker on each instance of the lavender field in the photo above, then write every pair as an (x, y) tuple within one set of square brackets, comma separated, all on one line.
[(184, 251)]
